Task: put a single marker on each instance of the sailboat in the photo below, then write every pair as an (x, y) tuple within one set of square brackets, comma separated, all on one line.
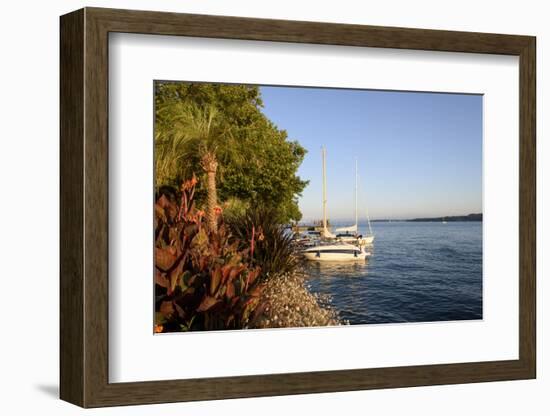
[(338, 252), (328, 251), (350, 234), (326, 234)]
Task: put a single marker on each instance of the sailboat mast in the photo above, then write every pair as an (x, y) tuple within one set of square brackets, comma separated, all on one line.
[(368, 221), (323, 152), (356, 173)]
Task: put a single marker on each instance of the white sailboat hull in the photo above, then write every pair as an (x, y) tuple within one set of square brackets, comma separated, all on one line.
[(367, 240), (335, 257), (362, 241), (335, 253)]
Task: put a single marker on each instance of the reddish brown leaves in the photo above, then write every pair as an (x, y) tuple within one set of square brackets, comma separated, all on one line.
[(252, 275), (230, 290), (166, 209), (166, 308), (215, 280), (202, 280), (207, 303), (165, 257), (161, 280)]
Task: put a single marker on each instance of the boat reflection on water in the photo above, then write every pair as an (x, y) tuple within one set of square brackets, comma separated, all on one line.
[(344, 284), (329, 269)]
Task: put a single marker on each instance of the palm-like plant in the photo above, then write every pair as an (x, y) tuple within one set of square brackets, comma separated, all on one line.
[(272, 247), (188, 135)]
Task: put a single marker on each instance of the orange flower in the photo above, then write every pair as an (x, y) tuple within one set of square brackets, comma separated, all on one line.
[(218, 210), (158, 329), (200, 213), (189, 184)]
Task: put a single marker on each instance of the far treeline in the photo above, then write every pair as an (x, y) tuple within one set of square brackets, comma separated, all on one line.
[(454, 218), (219, 134)]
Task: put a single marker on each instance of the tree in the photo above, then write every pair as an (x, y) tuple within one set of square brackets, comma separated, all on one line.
[(197, 133), (220, 130)]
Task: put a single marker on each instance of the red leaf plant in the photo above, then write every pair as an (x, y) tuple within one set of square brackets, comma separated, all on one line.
[(203, 281)]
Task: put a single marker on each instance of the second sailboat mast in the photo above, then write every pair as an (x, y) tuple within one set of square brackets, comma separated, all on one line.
[(356, 180), (323, 152)]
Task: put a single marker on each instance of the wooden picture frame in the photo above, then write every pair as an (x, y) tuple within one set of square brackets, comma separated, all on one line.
[(84, 207)]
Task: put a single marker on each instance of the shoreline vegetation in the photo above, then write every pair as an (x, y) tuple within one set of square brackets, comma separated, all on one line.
[(450, 218), (233, 276), (225, 186), (455, 218), (318, 226)]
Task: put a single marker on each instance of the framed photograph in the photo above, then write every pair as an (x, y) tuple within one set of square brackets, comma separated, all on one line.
[(255, 207)]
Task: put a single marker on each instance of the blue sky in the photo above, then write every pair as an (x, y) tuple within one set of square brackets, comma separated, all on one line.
[(419, 154)]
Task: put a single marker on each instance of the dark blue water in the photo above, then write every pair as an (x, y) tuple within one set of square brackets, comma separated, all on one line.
[(418, 272)]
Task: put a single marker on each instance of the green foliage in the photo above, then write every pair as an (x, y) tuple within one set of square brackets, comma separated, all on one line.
[(257, 162), (203, 280), (235, 207), (272, 249)]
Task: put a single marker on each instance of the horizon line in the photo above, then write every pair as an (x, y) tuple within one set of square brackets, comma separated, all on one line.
[(390, 218)]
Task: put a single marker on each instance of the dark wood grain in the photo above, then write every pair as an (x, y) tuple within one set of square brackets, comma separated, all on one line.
[(225, 27), (71, 216), (96, 219), (527, 207), (84, 207)]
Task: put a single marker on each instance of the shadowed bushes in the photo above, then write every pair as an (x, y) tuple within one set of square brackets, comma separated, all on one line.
[(271, 245)]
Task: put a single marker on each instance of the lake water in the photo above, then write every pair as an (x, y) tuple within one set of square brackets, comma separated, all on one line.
[(418, 272)]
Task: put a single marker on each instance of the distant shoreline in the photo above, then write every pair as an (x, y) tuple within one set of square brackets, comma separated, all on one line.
[(450, 218)]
